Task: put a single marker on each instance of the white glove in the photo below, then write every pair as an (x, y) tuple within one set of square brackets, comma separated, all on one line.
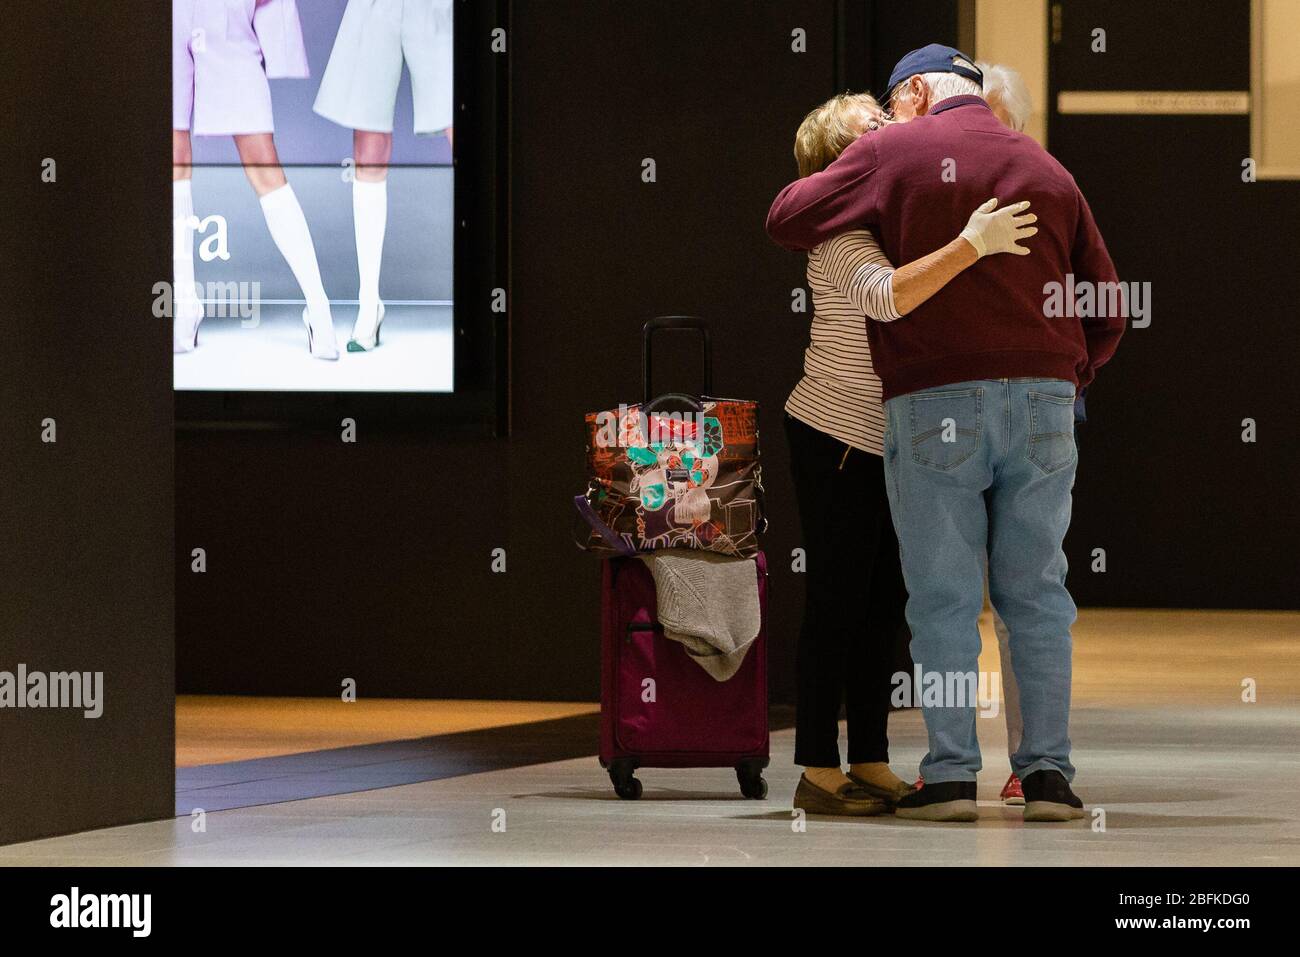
[(996, 232)]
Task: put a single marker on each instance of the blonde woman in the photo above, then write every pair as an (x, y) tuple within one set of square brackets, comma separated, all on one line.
[(835, 423)]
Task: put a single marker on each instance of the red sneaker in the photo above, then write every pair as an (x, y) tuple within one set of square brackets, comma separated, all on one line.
[(1012, 795)]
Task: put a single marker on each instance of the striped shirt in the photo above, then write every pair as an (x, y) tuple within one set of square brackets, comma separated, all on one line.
[(851, 279)]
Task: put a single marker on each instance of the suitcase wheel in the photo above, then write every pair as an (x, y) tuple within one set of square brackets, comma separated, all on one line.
[(626, 786), (750, 776)]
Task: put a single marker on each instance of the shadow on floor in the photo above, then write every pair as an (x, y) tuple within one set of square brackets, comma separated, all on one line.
[(368, 767)]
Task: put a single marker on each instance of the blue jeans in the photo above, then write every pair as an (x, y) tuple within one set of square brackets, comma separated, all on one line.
[(981, 472)]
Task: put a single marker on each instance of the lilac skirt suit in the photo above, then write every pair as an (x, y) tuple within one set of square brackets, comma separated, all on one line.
[(223, 53)]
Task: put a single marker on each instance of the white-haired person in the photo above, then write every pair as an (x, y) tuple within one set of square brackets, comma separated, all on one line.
[(1007, 95), (1009, 99)]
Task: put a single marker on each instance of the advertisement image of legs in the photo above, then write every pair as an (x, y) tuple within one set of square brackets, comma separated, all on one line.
[(359, 91)]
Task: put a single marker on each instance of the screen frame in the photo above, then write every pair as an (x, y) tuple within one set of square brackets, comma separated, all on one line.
[(479, 402)]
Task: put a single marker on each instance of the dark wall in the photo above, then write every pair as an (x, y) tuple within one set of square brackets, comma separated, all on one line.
[(1188, 513), (85, 522), (372, 561)]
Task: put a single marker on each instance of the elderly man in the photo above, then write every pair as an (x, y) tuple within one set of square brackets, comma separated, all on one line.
[(979, 387)]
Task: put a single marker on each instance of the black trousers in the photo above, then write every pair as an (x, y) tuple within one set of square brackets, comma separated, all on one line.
[(856, 599)]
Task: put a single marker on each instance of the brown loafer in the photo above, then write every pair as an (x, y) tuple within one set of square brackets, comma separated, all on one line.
[(890, 796), (850, 800)]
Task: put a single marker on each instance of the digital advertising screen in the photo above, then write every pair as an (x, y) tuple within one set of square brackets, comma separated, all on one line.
[(313, 196)]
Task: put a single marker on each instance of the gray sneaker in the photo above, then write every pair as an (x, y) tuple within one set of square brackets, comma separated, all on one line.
[(1048, 798), (944, 801)]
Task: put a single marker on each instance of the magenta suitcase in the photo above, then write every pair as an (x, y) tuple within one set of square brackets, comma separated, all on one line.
[(694, 721)]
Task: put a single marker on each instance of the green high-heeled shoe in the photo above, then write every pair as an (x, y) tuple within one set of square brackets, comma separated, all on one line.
[(363, 345)]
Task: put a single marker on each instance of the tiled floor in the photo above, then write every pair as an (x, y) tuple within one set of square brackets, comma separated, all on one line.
[(1184, 772), (1178, 785)]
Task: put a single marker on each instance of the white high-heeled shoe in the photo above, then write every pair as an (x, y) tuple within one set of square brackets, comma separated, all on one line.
[(185, 325), (366, 343), (321, 344)]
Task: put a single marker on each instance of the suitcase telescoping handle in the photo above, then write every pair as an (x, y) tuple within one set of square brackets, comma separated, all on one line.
[(691, 324)]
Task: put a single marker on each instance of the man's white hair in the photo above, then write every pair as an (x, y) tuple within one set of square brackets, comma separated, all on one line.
[(1005, 84), (944, 85)]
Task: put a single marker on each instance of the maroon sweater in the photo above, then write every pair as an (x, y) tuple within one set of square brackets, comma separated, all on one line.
[(989, 322)]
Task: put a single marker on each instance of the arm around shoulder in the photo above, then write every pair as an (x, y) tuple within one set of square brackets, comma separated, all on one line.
[(815, 208)]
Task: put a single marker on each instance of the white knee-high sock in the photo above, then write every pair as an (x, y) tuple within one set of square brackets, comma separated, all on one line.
[(289, 229), (184, 295), (369, 220)]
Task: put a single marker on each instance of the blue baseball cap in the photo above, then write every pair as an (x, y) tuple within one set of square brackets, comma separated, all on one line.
[(935, 58)]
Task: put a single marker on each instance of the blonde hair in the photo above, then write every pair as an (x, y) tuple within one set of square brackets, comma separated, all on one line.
[(827, 130)]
